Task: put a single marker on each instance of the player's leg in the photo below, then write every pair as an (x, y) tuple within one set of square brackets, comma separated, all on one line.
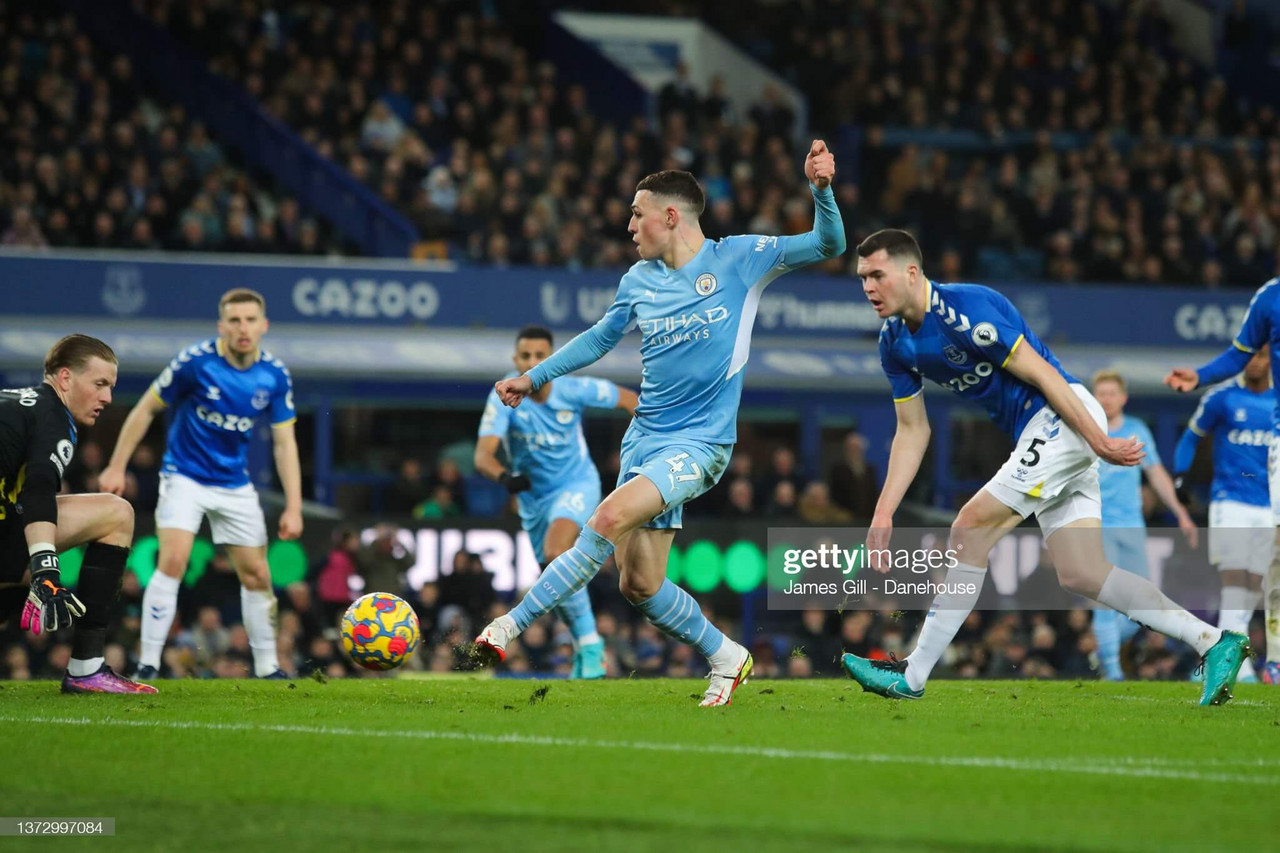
[(237, 523), (1124, 547), (160, 598), (179, 512), (981, 523), (257, 606), (576, 612), (1241, 592), (628, 507), (642, 568), (105, 524), (1076, 551), (1240, 546)]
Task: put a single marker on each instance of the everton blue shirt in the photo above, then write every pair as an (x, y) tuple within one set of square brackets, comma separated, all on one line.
[(968, 336), (215, 406)]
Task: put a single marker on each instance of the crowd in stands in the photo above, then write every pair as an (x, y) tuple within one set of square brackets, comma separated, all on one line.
[(1103, 161), (1102, 153), (88, 160)]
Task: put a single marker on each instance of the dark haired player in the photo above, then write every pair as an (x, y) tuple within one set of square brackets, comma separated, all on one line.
[(552, 475), (972, 341)]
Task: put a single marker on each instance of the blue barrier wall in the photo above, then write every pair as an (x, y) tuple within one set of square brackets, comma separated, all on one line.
[(807, 306)]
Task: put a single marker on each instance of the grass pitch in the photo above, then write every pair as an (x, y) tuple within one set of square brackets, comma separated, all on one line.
[(487, 764)]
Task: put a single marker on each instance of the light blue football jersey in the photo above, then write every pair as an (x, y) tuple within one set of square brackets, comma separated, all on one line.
[(215, 406), (695, 325), (968, 336), (1121, 485), (544, 441), (1261, 326), (1241, 423)]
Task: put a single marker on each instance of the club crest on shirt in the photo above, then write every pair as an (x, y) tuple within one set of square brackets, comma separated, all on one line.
[(564, 416), (954, 354), (984, 334), (261, 399), (705, 284)]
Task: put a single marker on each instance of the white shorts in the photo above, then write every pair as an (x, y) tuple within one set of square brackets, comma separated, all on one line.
[(1053, 472), (1241, 536), (235, 516)]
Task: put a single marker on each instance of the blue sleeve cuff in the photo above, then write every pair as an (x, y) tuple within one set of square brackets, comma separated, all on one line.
[(1226, 365)]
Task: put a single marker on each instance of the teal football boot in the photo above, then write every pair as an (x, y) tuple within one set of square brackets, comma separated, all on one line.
[(885, 677)]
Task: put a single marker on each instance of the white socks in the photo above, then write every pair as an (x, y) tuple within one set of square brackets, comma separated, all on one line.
[(1143, 602), (947, 614), (726, 659), (1236, 609), (159, 605), (80, 668), (258, 609)]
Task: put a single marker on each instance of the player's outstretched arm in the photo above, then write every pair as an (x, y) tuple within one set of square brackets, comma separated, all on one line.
[(910, 441), (1027, 364), (131, 434), (284, 444), (628, 400), (826, 240), (1231, 361), (587, 348)]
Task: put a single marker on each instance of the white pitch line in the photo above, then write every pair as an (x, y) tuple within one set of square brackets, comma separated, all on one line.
[(1122, 766)]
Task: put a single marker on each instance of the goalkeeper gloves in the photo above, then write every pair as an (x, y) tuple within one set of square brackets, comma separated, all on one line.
[(515, 483), (50, 605)]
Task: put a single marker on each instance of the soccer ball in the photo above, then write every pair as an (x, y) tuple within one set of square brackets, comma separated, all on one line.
[(380, 631)]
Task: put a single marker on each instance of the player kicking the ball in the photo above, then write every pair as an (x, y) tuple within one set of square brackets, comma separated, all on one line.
[(1260, 327), (694, 301), (37, 442), (552, 475), (219, 388), (971, 340)]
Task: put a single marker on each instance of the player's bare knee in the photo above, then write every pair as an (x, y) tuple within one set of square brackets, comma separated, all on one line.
[(120, 514), (606, 520), (552, 554), (1081, 579), (256, 577), (637, 589)]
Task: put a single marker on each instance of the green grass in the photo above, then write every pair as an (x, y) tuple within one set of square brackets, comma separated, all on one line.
[(635, 765)]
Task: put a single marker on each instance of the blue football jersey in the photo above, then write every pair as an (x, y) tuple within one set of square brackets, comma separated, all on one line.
[(544, 441), (1261, 326), (1121, 485), (215, 406), (968, 336), (1241, 423), (695, 325)]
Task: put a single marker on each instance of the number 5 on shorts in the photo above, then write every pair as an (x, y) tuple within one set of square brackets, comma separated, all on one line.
[(677, 465), (1033, 455)]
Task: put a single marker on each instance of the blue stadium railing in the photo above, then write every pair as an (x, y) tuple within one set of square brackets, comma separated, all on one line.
[(321, 187)]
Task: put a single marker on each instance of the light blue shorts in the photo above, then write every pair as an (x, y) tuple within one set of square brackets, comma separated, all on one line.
[(681, 468), (574, 501), (1126, 547)]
